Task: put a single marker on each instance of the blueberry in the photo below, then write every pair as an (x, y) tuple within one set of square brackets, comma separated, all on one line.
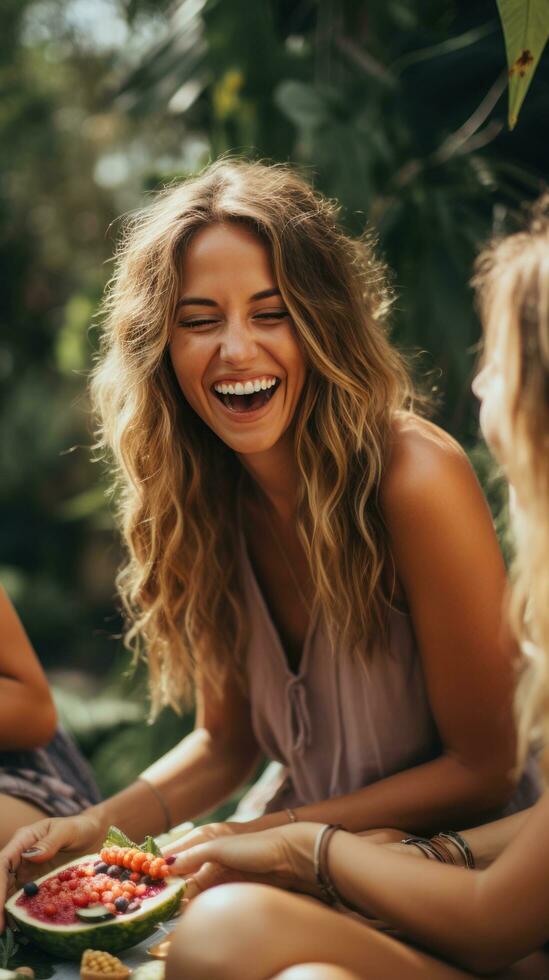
[(30, 888), (146, 880), (114, 871), (101, 868), (134, 906), (121, 904)]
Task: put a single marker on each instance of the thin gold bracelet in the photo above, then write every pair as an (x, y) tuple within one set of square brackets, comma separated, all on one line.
[(156, 792), (291, 814)]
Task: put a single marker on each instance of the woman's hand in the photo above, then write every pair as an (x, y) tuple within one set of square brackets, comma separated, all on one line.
[(43, 845), (201, 835), (282, 856)]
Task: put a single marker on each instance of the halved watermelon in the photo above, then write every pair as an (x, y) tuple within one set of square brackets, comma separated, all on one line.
[(52, 915)]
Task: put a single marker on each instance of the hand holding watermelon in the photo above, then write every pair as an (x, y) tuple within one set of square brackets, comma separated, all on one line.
[(40, 844), (107, 901)]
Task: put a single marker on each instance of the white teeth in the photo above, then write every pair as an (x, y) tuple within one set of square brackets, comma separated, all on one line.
[(248, 388)]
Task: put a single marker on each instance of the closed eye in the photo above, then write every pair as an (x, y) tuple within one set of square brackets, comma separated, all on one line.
[(196, 323), (267, 315), (271, 315)]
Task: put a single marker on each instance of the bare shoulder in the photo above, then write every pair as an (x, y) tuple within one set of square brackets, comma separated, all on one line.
[(427, 469)]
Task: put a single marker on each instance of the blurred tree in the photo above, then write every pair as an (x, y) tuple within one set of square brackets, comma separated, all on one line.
[(395, 109)]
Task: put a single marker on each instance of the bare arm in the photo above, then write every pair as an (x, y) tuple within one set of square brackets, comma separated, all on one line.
[(451, 571), (483, 920), (196, 775), (27, 712)]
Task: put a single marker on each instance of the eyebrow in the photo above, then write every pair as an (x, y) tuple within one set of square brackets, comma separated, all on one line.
[(202, 301)]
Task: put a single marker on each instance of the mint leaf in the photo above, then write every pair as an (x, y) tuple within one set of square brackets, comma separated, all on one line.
[(118, 837), (149, 844)]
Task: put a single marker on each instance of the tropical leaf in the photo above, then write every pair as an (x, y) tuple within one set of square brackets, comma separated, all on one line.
[(526, 29), (8, 948), (301, 103)]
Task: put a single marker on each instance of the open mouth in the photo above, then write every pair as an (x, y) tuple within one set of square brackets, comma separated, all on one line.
[(242, 402)]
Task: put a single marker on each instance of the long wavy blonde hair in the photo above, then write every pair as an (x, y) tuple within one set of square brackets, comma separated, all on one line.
[(512, 282), (178, 482)]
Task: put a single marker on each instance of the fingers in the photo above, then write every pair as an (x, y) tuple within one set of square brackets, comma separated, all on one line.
[(193, 836), (208, 876), (188, 862), (175, 845)]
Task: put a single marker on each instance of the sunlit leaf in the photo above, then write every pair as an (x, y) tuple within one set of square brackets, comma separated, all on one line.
[(302, 104), (526, 29)]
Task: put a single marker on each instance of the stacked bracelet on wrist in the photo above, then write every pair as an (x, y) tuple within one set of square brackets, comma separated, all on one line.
[(322, 873), (436, 849), (462, 846)]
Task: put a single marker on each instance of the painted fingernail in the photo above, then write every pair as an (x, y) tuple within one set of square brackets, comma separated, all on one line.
[(32, 850), (171, 859)]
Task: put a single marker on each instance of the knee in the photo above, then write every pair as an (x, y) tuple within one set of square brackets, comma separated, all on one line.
[(219, 929)]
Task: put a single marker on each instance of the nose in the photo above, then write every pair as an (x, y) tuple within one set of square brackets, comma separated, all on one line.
[(238, 344)]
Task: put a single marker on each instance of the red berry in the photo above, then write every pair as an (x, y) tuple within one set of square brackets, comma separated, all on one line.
[(135, 876), (64, 875), (74, 884), (50, 909), (80, 900)]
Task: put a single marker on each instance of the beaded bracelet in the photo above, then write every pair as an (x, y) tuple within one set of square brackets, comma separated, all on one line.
[(322, 874)]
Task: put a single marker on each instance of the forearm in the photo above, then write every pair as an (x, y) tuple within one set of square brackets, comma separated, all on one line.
[(438, 906), (27, 716), (489, 840), (424, 799), (194, 777)]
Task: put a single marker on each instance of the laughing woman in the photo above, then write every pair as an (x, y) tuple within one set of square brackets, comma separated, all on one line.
[(305, 554), (490, 920)]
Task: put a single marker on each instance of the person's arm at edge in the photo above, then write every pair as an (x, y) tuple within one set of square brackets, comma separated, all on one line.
[(28, 718)]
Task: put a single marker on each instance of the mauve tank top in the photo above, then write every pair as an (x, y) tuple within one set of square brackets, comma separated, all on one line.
[(338, 725)]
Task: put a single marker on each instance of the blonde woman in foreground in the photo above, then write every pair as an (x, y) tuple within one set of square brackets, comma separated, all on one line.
[(303, 550), (477, 921)]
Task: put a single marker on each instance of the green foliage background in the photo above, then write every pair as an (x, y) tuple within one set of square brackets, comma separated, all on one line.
[(396, 108)]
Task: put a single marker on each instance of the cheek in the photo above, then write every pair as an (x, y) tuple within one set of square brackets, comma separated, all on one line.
[(186, 372)]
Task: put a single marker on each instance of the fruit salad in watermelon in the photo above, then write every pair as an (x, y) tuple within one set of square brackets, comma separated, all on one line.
[(107, 901)]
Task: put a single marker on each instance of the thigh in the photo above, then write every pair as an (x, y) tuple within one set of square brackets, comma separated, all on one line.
[(533, 967), (15, 814), (316, 971), (251, 932)]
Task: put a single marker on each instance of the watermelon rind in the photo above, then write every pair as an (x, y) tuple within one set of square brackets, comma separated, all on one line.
[(69, 942)]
